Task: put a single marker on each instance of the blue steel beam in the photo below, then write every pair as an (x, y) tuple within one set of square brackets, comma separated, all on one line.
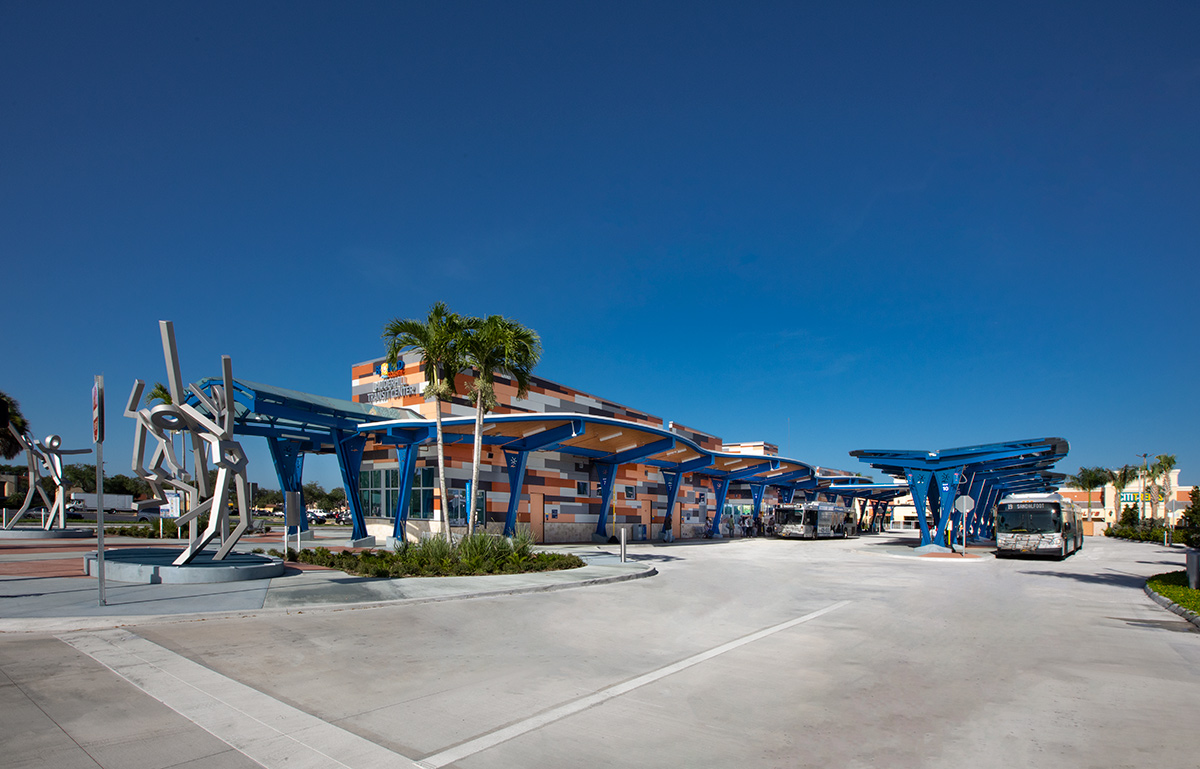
[(918, 482), (756, 494), (634, 454), (672, 479), (515, 462), (721, 490), (349, 447), (547, 438), (288, 459), (407, 454), (607, 474)]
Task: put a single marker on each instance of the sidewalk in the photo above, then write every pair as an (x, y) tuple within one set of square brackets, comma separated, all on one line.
[(42, 587)]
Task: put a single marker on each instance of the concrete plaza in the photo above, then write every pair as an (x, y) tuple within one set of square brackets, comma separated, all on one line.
[(749, 652)]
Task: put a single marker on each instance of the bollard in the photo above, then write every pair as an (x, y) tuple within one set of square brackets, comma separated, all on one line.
[(622, 545)]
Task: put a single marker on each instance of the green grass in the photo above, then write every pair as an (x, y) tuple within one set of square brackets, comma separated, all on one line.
[(1174, 586)]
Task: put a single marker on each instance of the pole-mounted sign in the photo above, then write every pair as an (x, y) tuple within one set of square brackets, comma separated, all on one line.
[(98, 410), (98, 437)]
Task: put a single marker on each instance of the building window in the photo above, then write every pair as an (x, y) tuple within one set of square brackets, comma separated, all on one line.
[(630, 492), (582, 489), (421, 505), (379, 489)]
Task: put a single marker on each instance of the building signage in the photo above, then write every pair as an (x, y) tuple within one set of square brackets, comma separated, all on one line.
[(1134, 497), (387, 389)]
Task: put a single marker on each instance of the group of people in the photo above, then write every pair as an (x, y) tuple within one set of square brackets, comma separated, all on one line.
[(756, 526)]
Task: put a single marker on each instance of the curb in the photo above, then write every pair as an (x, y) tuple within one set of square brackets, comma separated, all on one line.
[(1171, 606), (73, 624)]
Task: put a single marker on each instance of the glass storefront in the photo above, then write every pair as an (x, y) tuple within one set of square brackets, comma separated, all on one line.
[(380, 488)]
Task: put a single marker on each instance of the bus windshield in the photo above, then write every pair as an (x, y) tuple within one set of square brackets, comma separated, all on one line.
[(1028, 521)]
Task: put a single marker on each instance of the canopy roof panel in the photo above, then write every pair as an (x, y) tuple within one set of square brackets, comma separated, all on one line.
[(603, 439), (1020, 464)]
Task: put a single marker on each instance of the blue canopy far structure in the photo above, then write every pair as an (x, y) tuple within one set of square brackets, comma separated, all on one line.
[(983, 473)]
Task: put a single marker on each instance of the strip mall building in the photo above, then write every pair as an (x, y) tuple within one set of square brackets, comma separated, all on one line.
[(562, 492)]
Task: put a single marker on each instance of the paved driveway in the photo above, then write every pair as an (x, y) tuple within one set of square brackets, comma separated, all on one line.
[(746, 653)]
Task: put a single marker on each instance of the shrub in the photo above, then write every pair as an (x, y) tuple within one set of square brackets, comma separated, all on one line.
[(478, 553)]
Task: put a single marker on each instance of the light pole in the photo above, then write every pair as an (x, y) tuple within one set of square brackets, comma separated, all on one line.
[(1145, 470)]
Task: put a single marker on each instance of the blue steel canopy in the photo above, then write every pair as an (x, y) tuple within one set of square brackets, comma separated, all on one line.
[(296, 423), (607, 441), (987, 471)]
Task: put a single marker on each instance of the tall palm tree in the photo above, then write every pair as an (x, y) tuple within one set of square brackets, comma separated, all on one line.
[(438, 339), (495, 345), (1161, 472), (158, 393), (1120, 479), (10, 412), (1089, 479)]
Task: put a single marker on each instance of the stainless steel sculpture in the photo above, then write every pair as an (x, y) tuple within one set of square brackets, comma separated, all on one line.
[(209, 429), (44, 455)]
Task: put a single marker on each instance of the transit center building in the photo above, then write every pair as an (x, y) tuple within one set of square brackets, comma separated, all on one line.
[(562, 492)]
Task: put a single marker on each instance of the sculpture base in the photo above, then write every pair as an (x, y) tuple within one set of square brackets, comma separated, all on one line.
[(38, 533), (153, 566)]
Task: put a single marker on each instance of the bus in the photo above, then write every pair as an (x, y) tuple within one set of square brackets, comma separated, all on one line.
[(814, 520), (1038, 524)]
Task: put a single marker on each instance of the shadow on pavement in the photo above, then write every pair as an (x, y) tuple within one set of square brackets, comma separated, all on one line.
[(1177, 625), (1112, 578)]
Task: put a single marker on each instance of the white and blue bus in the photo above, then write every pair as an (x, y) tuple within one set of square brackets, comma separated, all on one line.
[(1037, 524), (814, 520)]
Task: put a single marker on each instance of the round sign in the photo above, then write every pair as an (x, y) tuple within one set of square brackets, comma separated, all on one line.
[(964, 504)]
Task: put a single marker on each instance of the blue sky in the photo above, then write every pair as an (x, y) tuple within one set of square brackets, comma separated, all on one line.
[(856, 225)]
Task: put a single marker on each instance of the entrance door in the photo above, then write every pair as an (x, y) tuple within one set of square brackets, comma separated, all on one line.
[(537, 517)]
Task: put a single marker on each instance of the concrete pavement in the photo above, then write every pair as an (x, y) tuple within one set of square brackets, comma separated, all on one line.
[(754, 653)]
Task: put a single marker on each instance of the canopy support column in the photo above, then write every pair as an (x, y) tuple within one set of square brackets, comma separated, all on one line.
[(514, 461), (672, 479), (349, 447), (756, 494), (289, 468), (407, 454), (721, 490), (607, 474), (918, 483), (947, 489)]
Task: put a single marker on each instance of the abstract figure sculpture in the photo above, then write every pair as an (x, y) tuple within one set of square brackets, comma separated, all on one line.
[(210, 431), (48, 454)]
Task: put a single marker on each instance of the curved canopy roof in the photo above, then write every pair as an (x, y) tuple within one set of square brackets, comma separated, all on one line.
[(603, 439), (1015, 466), (275, 412)]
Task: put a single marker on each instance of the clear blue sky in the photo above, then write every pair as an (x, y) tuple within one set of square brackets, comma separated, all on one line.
[(887, 225)]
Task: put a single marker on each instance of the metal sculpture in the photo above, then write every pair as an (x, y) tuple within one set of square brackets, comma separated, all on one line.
[(210, 431), (44, 455)]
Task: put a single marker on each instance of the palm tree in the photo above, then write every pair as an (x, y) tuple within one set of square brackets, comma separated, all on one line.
[(1161, 471), (158, 393), (10, 413), (494, 345), (1089, 479), (1120, 479), (438, 339)]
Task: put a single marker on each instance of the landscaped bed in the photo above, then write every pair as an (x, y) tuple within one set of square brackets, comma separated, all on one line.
[(476, 554), (1174, 587)]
